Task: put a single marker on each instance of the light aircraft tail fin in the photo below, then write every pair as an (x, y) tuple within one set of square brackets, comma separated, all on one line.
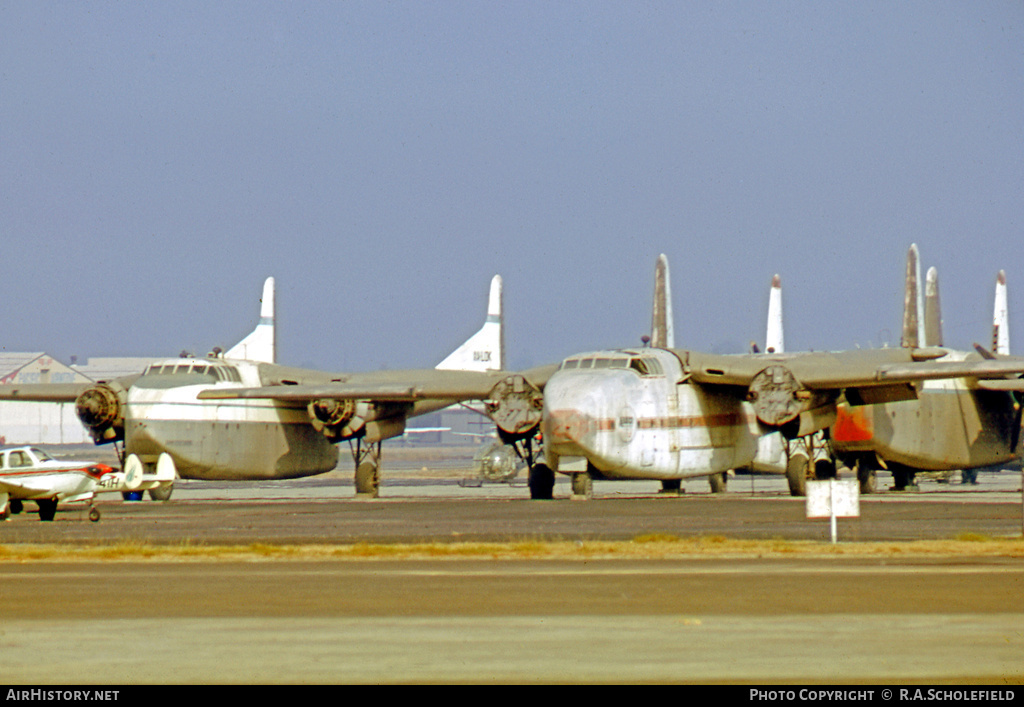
[(261, 344), (1000, 318), (662, 328), (774, 339), (165, 469), (913, 305), (932, 310), (485, 350)]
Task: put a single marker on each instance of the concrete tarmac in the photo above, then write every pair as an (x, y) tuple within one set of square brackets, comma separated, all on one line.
[(896, 618)]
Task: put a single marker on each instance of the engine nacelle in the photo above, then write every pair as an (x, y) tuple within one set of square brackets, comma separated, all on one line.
[(101, 409), (779, 400), (516, 406), (335, 419)]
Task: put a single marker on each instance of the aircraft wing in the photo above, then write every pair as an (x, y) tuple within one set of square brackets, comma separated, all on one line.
[(44, 392), (387, 392), (802, 389), (387, 386), (848, 369)]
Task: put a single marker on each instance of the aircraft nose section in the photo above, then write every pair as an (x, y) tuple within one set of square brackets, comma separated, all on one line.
[(567, 426), (572, 415)]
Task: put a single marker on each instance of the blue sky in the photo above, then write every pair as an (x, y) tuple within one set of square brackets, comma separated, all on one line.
[(384, 159)]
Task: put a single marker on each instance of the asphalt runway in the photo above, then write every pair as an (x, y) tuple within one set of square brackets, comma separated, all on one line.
[(746, 619)]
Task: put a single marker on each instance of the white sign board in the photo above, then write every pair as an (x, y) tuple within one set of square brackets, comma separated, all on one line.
[(833, 499), (839, 498)]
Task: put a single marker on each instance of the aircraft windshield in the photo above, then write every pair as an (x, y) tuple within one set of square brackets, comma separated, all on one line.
[(41, 455), (175, 375), (644, 365)]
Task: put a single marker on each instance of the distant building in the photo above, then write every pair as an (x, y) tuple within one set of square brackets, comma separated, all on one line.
[(38, 423), (52, 423)]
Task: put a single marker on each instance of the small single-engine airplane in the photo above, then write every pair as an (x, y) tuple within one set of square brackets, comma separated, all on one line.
[(666, 414), (30, 474), (958, 422), (241, 416)]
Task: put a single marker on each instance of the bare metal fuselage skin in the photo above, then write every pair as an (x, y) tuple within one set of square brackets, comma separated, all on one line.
[(629, 416), (953, 424), (236, 439), (223, 440)]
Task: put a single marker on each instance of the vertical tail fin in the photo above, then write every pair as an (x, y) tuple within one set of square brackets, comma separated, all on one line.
[(662, 328), (932, 310), (774, 341), (261, 343), (913, 306), (1000, 318), (485, 350)]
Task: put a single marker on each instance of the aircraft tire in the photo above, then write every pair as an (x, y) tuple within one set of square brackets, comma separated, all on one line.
[(825, 469), (47, 508), (582, 486), (718, 482), (541, 482), (94, 514), (672, 486), (367, 480), (161, 493), (866, 476), (796, 475)]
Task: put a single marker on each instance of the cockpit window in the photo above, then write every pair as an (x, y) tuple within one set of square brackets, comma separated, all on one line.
[(570, 364), (41, 455), (182, 374)]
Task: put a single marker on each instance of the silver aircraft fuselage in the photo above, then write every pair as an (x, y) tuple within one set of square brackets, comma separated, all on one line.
[(953, 424), (634, 415), (220, 439)]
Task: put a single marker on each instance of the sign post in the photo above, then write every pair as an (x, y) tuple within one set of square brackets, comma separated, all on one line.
[(833, 499)]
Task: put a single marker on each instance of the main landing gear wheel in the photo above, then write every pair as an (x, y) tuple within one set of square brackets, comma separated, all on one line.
[(582, 486), (94, 514), (672, 487), (47, 508), (367, 459), (161, 493), (541, 482), (718, 482), (796, 475), (368, 480), (866, 476)]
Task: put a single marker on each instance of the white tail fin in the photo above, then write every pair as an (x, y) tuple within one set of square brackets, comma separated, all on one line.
[(662, 328), (485, 350), (932, 310), (774, 341), (261, 344), (1000, 318), (913, 303)]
